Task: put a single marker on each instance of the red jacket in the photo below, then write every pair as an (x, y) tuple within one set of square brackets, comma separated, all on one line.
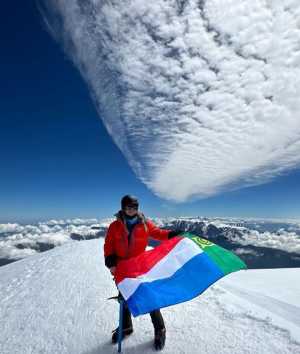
[(116, 241)]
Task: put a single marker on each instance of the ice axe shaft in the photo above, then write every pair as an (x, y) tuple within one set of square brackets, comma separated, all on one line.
[(120, 326)]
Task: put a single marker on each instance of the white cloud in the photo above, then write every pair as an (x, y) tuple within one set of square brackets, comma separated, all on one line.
[(19, 241), (244, 232), (282, 240), (200, 96), (6, 228)]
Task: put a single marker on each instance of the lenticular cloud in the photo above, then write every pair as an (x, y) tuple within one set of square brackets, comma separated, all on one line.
[(200, 96)]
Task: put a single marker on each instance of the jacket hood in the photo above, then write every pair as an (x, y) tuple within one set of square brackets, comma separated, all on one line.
[(121, 217)]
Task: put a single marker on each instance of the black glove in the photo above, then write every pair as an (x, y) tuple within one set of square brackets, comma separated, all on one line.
[(111, 261), (174, 233)]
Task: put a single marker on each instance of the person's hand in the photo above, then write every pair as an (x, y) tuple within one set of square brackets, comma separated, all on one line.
[(112, 270)]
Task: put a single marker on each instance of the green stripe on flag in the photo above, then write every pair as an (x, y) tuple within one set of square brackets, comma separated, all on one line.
[(226, 260)]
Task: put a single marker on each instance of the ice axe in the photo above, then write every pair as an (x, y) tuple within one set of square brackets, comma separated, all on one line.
[(121, 302), (114, 298)]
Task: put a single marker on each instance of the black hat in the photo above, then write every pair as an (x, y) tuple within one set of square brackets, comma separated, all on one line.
[(129, 200)]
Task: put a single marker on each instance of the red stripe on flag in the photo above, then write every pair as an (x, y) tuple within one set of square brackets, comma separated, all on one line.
[(133, 267)]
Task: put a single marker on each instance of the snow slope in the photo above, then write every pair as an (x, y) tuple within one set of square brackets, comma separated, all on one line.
[(55, 302)]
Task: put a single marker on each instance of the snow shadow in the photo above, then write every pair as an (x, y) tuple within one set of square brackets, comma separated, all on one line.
[(107, 348)]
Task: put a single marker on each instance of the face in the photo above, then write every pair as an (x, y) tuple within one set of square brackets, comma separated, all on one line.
[(131, 210)]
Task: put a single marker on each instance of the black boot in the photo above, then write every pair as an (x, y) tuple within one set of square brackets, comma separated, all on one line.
[(125, 332), (159, 339), (159, 329)]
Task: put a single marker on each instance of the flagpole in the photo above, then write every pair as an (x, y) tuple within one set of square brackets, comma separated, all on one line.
[(120, 325)]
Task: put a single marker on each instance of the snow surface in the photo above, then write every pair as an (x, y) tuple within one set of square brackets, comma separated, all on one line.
[(56, 302)]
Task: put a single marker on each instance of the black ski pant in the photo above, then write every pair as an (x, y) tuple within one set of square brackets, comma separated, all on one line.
[(156, 318)]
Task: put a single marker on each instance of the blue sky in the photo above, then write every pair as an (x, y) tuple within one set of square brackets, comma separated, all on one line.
[(57, 159)]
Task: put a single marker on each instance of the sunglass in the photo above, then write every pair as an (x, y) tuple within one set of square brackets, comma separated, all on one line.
[(131, 207)]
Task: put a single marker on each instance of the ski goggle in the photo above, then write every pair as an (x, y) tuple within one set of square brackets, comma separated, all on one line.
[(131, 207)]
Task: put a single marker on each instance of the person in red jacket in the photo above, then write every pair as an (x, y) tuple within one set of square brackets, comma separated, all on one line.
[(127, 237)]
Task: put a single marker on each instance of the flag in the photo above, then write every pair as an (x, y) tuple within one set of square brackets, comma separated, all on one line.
[(177, 270)]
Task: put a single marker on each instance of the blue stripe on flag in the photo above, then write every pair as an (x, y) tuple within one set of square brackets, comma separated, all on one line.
[(189, 281)]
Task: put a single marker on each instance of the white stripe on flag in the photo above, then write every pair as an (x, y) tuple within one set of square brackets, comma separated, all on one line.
[(185, 250)]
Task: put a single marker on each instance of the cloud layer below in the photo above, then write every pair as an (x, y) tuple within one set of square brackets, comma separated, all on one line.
[(200, 96), (20, 241)]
